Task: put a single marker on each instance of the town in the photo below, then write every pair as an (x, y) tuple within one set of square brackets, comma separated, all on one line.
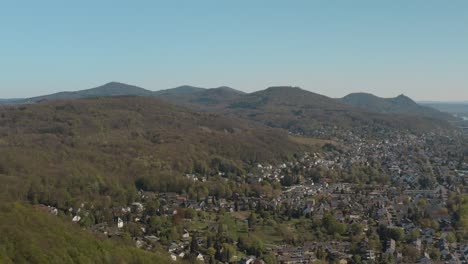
[(396, 198)]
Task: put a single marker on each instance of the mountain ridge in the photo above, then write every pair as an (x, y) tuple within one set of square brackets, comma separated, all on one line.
[(400, 104), (304, 112), (198, 97), (114, 88), (274, 100)]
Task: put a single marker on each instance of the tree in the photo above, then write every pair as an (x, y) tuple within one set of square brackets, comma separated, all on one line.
[(321, 254), (134, 229), (435, 254), (451, 238), (211, 251), (194, 244), (228, 252), (388, 259), (410, 253), (269, 259), (357, 259), (252, 245), (332, 225), (356, 229), (152, 207), (414, 234), (252, 220), (396, 233)]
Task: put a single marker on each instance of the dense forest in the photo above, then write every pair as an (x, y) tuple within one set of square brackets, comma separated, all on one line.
[(102, 147)]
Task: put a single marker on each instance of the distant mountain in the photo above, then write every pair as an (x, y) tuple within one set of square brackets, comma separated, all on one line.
[(185, 95), (195, 96), (398, 105), (199, 97), (178, 91), (106, 90), (280, 98), (285, 107), (303, 111)]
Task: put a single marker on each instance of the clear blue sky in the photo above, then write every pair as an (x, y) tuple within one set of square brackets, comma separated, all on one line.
[(419, 48)]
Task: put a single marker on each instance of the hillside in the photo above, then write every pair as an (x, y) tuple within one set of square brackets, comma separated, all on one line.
[(285, 96), (397, 105), (199, 97), (299, 110), (33, 236), (178, 91), (107, 90), (102, 146), (289, 108), (183, 95)]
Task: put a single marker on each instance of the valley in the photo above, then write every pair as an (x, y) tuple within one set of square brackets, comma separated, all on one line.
[(277, 176)]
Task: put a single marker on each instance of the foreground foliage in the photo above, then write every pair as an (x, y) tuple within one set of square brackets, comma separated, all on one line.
[(31, 236)]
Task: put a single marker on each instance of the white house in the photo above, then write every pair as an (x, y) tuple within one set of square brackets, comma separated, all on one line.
[(120, 223)]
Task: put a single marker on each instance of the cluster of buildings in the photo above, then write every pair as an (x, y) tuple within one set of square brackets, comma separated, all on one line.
[(421, 171)]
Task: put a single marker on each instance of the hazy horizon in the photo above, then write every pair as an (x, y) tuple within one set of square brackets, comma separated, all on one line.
[(416, 48)]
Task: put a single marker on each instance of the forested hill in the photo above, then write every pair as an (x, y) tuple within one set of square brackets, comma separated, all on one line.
[(296, 109), (100, 152), (290, 108), (107, 90), (194, 96), (397, 105), (302, 111), (102, 146), (185, 95)]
